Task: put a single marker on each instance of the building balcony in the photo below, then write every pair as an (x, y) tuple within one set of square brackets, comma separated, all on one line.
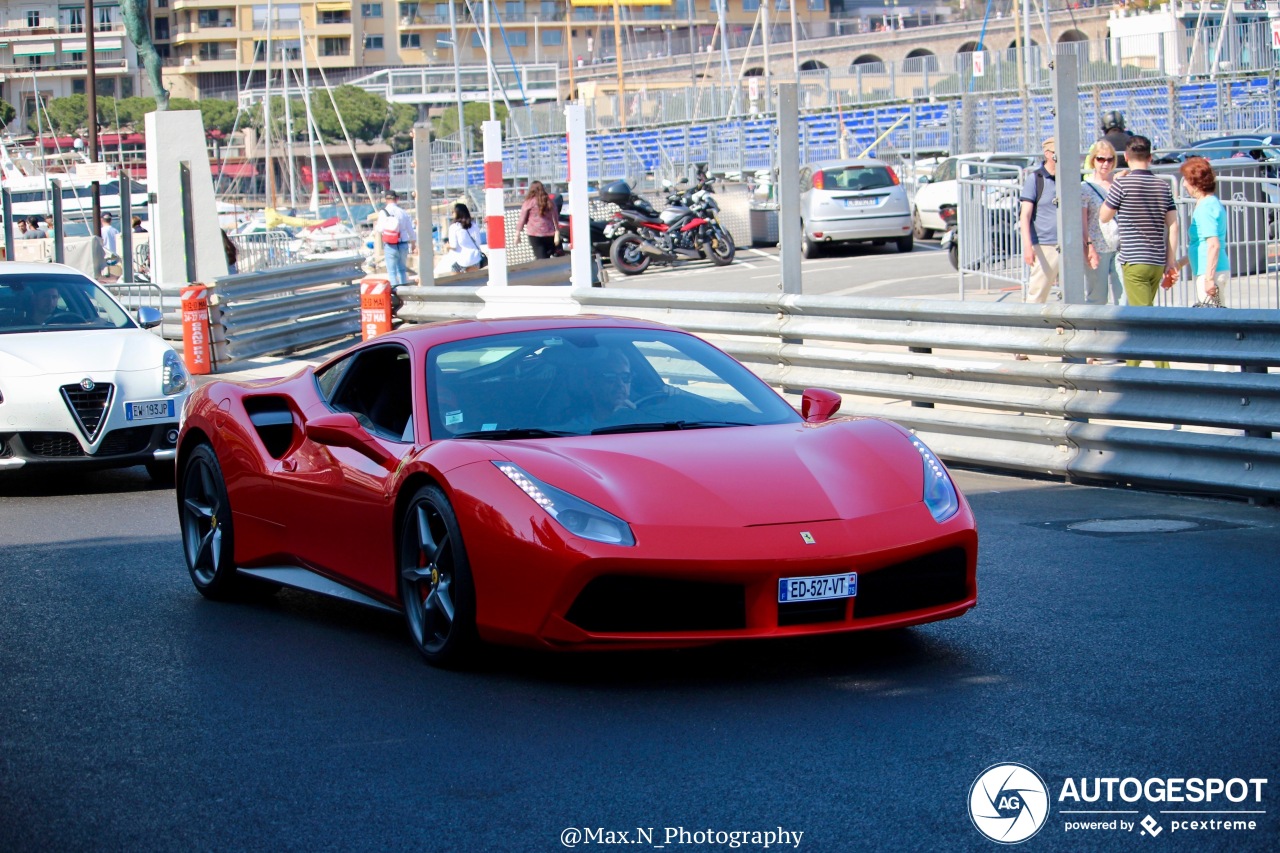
[(17, 31), (66, 68)]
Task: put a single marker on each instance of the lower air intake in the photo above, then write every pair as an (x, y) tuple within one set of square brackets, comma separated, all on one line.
[(634, 605)]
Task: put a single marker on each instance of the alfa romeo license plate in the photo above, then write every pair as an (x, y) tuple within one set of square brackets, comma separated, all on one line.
[(148, 410), (818, 588)]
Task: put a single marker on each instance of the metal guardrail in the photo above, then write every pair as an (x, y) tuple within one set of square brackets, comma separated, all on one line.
[(937, 367), (282, 310), (263, 250), (167, 299)]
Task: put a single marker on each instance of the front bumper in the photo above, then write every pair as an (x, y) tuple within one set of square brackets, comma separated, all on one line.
[(119, 448)]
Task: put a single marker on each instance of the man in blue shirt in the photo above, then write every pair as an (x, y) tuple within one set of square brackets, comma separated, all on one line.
[(1038, 222)]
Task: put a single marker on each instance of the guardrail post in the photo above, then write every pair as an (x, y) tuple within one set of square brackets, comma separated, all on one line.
[(188, 219)]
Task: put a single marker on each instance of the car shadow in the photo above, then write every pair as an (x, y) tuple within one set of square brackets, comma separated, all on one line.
[(43, 482)]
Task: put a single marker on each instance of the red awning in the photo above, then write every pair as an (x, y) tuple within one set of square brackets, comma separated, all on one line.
[(234, 170)]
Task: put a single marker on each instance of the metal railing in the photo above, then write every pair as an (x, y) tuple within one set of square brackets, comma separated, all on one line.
[(937, 368), (263, 250)]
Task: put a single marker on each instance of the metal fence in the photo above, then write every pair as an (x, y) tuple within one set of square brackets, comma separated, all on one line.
[(990, 246), (264, 250), (945, 369)]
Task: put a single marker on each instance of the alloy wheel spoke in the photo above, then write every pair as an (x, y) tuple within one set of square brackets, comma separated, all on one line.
[(197, 508), (444, 596), (204, 553), (426, 539), (415, 574)]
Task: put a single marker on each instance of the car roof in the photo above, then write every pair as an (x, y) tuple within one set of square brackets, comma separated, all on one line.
[(429, 335), (21, 268), (849, 161)]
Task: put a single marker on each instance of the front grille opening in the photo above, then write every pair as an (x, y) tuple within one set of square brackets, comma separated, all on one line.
[(54, 445), (121, 441), (928, 581), (89, 407), (5, 450), (632, 605), (812, 612)]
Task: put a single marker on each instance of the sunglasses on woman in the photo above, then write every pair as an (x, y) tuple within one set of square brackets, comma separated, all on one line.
[(1104, 159)]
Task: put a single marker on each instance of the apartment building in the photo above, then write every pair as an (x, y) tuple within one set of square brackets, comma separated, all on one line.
[(42, 53)]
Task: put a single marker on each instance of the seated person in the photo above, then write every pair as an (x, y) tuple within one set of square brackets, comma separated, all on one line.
[(609, 383), (44, 303)]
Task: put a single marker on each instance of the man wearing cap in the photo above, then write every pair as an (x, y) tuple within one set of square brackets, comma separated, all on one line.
[(395, 228), (110, 235), (1038, 222)]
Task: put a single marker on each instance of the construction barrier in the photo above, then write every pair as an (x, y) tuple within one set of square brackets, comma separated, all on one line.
[(195, 329), (375, 306)]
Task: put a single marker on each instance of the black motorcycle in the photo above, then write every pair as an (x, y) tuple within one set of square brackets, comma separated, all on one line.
[(688, 228)]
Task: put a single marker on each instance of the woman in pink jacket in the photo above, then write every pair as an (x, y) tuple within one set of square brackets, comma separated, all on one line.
[(538, 218)]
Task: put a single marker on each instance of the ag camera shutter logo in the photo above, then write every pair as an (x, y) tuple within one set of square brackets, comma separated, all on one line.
[(1008, 803)]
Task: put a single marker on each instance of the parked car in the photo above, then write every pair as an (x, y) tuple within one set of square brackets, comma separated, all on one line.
[(1263, 147), (940, 188), (844, 201), (568, 483), (82, 383)]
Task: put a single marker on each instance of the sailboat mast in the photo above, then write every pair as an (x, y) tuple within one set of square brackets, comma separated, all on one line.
[(266, 116), (311, 134)]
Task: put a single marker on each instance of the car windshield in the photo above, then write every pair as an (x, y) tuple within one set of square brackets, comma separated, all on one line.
[(591, 381), (46, 302), (1224, 149), (856, 178)]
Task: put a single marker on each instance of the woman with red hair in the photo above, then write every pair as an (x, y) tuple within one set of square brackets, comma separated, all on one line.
[(1207, 234)]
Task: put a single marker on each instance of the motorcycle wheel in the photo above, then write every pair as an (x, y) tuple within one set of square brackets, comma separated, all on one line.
[(720, 247), (627, 256)]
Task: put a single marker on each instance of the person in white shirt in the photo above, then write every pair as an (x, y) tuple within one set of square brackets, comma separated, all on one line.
[(395, 227), (110, 235), (464, 241)]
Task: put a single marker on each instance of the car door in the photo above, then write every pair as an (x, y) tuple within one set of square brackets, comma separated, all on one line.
[(337, 499), (931, 196)]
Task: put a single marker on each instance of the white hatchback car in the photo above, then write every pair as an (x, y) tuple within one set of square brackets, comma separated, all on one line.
[(852, 200), (940, 188), (83, 384)]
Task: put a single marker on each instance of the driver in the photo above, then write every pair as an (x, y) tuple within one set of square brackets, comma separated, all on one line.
[(44, 303), (609, 383)]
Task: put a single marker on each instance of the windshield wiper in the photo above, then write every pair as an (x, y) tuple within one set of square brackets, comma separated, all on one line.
[(514, 432), (662, 426)]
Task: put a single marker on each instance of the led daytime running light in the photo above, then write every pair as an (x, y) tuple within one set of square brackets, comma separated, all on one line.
[(939, 492)]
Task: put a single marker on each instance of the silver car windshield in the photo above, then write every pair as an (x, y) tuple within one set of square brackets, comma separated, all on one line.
[(46, 302)]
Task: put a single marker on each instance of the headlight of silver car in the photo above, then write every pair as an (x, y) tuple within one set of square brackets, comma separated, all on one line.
[(939, 492), (173, 378), (576, 515)]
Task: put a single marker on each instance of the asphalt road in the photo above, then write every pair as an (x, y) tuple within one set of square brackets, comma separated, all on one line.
[(134, 715)]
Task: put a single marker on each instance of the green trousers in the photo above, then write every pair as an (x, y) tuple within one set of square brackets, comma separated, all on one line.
[(1141, 283)]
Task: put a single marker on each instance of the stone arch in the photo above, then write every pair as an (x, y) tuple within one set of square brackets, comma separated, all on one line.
[(920, 59), (813, 65), (868, 62), (1013, 45), (968, 47), (753, 72), (1072, 35)]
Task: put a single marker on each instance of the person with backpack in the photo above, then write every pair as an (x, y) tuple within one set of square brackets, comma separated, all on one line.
[(1038, 222), (395, 229)]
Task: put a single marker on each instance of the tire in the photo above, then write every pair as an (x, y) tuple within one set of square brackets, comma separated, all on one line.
[(917, 227), (162, 473), (208, 537), (626, 255), (907, 243), (435, 581), (953, 255), (808, 247), (721, 249)]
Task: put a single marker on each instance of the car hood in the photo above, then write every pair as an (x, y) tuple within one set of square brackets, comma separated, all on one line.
[(737, 476), (89, 351)]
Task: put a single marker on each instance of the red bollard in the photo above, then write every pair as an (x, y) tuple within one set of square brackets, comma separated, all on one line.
[(195, 330), (375, 306)]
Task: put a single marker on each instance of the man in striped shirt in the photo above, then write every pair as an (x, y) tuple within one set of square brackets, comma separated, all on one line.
[(1142, 205)]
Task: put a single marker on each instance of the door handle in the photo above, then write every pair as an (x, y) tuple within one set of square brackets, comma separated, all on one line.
[(289, 465)]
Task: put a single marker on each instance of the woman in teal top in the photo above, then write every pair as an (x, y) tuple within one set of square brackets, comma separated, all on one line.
[(1207, 234)]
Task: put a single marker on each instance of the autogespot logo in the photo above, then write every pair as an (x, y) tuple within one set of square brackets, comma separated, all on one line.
[(1008, 803)]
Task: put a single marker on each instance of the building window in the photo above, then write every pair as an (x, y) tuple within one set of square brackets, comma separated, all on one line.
[(340, 17), (514, 10), (442, 13), (104, 19), (126, 87), (107, 87), (477, 40), (409, 14), (371, 10), (750, 5), (77, 86), (552, 38), (162, 4), (518, 38), (208, 18), (817, 5), (162, 29), (411, 41), (335, 46), (550, 10), (34, 61), (373, 42), (33, 20), (74, 20)]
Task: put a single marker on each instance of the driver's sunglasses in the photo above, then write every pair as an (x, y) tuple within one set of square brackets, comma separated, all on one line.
[(611, 376)]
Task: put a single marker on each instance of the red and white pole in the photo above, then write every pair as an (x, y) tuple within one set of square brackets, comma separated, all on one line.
[(575, 116), (495, 218)]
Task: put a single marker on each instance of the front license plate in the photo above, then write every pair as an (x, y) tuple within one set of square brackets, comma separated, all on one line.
[(148, 410), (818, 588)]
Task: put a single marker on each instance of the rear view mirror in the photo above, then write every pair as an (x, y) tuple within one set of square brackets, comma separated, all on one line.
[(819, 405), (922, 180), (149, 318)]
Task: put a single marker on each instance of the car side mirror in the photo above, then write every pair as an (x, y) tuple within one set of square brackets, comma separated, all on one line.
[(924, 179), (149, 318), (343, 430), (819, 405)]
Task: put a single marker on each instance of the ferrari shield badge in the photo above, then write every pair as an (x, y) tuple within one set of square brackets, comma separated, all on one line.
[(807, 537)]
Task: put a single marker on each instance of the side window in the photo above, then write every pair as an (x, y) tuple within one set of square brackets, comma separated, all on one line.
[(376, 386), (947, 170), (806, 179)]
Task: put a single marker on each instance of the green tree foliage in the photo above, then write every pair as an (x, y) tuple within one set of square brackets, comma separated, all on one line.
[(7, 112), (62, 115), (366, 115), (473, 114)]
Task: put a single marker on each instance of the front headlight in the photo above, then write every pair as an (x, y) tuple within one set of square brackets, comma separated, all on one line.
[(574, 514), (173, 378), (939, 492)]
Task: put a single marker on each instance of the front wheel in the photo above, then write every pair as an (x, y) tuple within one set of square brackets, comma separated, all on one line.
[(435, 580), (906, 244), (627, 256), (720, 247), (208, 538)]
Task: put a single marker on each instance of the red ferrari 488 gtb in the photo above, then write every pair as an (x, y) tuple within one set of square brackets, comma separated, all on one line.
[(568, 483)]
